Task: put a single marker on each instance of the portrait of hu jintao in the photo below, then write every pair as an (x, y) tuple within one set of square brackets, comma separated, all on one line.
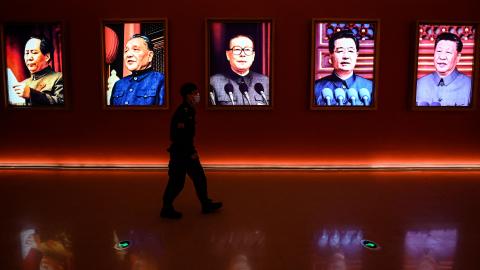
[(239, 69), (344, 64)]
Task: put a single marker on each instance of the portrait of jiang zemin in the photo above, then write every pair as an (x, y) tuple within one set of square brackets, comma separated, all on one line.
[(445, 65), (135, 64), (344, 64), (239, 68), (34, 65)]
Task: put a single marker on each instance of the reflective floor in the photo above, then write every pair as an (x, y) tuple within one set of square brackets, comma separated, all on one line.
[(64, 220)]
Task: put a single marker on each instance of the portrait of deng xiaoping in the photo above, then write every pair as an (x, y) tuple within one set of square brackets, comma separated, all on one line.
[(239, 68), (344, 64), (135, 62), (34, 65), (445, 60)]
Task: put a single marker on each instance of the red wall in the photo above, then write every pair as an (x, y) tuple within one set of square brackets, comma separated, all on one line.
[(289, 134)]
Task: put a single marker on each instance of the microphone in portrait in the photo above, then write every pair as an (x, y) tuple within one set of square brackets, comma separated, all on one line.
[(340, 96), (211, 93), (244, 90), (229, 90), (352, 96), (365, 96), (327, 96), (260, 90)]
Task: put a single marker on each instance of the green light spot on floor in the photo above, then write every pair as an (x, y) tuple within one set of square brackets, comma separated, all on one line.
[(124, 244), (369, 244)]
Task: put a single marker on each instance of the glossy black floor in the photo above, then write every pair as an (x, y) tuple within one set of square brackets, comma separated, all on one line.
[(68, 219)]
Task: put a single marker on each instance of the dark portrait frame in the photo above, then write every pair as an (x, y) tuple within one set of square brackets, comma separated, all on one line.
[(61, 48), (375, 63), (3, 79), (210, 54), (162, 40), (474, 66)]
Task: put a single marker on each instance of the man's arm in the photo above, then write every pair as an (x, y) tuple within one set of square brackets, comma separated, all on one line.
[(161, 92), (182, 135), (422, 98), (51, 97)]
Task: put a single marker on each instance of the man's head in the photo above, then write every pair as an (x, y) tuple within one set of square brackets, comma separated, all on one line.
[(448, 48), (240, 54), (38, 54), (190, 94), (343, 47), (138, 54)]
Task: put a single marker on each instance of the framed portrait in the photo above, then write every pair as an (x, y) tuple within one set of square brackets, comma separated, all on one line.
[(239, 64), (34, 67), (444, 66), (344, 64), (135, 64)]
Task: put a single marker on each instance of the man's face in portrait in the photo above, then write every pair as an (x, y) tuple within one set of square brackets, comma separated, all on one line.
[(446, 57), (137, 56), (344, 56), (241, 54), (35, 60)]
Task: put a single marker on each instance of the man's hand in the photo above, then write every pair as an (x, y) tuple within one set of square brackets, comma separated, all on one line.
[(22, 90)]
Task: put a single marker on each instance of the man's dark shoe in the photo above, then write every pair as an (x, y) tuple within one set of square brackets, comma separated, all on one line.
[(211, 207), (170, 213)]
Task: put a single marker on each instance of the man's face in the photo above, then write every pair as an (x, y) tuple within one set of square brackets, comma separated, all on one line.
[(137, 56), (344, 56), (35, 60), (194, 97), (446, 57), (240, 62)]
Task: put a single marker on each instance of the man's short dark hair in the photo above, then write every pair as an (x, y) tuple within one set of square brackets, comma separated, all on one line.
[(46, 46), (451, 37), (232, 36), (146, 39), (342, 34), (187, 89)]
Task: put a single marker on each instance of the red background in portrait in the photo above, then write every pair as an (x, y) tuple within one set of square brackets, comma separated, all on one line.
[(427, 47)]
